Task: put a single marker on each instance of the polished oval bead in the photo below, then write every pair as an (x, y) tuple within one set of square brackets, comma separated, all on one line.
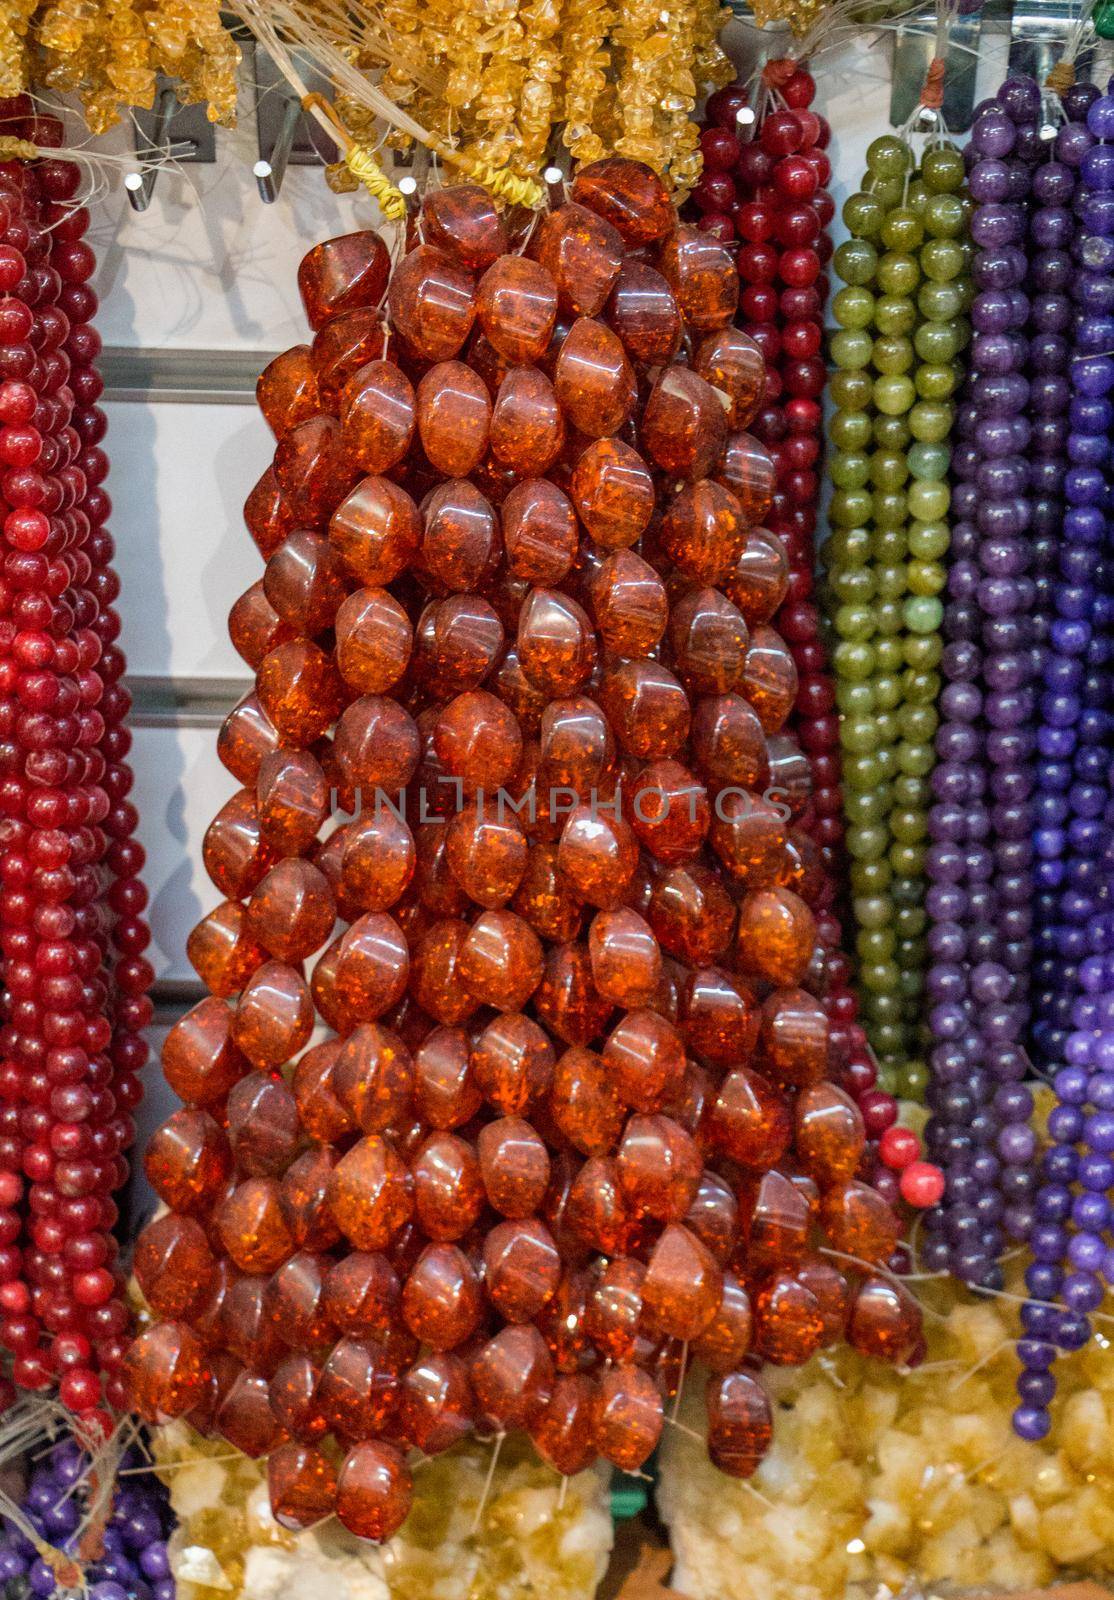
[(514, 1164), (613, 491), (263, 1127), (682, 1287), (647, 708), (442, 1300), (593, 379), (709, 639), (517, 307), (454, 416), (684, 425), (448, 1189), (740, 1422), (703, 531), (747, 469), (644, 312), (300, 690), (343, 273), (377, 530), (286, 390), (373, 641), (730, 360), (629, 195), (378, 411), (555, 643), (702, 274), (432, 302), (629, 1416), (540, 532), (582, 253), (629, 604), (527, 429), (460, 538)]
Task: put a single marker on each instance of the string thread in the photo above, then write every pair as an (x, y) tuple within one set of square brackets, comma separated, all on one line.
[(359, 160), (12, 149), (501, 182)]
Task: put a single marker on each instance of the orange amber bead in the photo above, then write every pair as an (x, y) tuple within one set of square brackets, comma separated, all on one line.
[(300, 690), (725, 1340), (377, 862), (729, 744), (340, 274), (448, 1190), (629, 603), (702, 531), (718, 1017), (830, 1136), (740, 1423), (582, 253), (252, 1227), (303, 1199), (775, 937), (371, 1194), (691, 913), (292, 798), (459, 640), (759, 580), (361, 1295), (234, 851), (246, 736), (460, 542), (486, 853), (565, 1432), (514, 1165), (374, 1491), (702, 274), (221, 950), (593, 379), (527, 429), (629, 195), (244, 1416), (442, 1301), (432, 302), (296, 1301), (613, 492), (302, 1484), (344, 345), (576, 746), (567, 1000), (555, 644), (522, 1268), (626, 960), (647, 708), (255, 627), (684, 425), (292, 1395), (478, 741), (777, 1231), (173, 1264), (598, 854), (305, 582), (709, 639), (540, 531), (323, 1114), (545, 899), (748, 834), (670, 813), (268, 514), (561, 1322), (462, 220), (750, 1120), (358, 1389), (374, 639), (517, 307), (187, 1161), (200, 1059), (682, 1286), (614, 1310), (512, 1063), (748, 471), (435, 980), (445, 1092), (377, 415), (501, 960), (596, 1212), (435, 1404), (788, 1326), (859, 1222), (885, 1322), (730, 360), (454, 414), (165, 1372), (377, 530), (377, 746), (263, 1125), (769, 679), (645, 1058), (313, 470), (643, 311), (629, 1416), (795, 1037), (659, 1168), (373, 966), (292, 910), (373, 1077), (584, 1103), (286, 390), (512, 1377), (274, 1016)]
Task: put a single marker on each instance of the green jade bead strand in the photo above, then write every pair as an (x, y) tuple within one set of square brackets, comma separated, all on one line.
[(901, 333)]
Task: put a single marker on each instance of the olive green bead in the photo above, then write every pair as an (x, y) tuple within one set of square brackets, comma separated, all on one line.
[(864, 807), (923, 653), (942, 169), (895, 314), (938, 341), (903, 230), (886, 689), (886, 723), (886, 1008), (907, 858), (942, 260), (887, 762), (877, 945), (929, 499), (854, 660), (852, 391), (937, 380), (944, 216), (891, 354), (854, 622), (889, 469), (914, 793), (853, 307), (853, 585), (906, 891), (910, 981), (941, 302), (912, 1082), (891, 433), (897, 272), (850, 430), (847, 547), (910, 922), (889, 545), (889, 157), (889, 617), (862, 771), (926, 577), (893, 396), (867, 844), (918, 723), (849, 470), (869, 877), (920, 688), (929, 461), (851, 508), (891, 191), (908, 827), (890, 581), (859, 735), (930, 420), (888, 653), (863, 215), (880, 975), (914, 757), (928, 541), (923, 614), (851, 349), (856, 261)]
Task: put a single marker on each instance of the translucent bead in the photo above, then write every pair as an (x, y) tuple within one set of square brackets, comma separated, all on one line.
[(593, 379), (340, 274), (749, 836), (454, 415), (514, 1165), (703, 531), (748, 471), (377, 746), (370, 1194), (255, 627), (584, 1102), (540, 532), (286, 390), (561, 1322), (512, 1377), (703, 276), (613, 491), (596, 1212), (300, 691), (629, 604), (296, 1301), (313, 470), (461, 219), (740, 1423), (373, 641), (682, 1287), (501, 960), (268, 515), (302, 1485), (684, 425), (292, 800), (436, 1405), (358, 1389), (517, 308), (582, 253), (527, 428), (885, 1321), (759, 580), (775, 937), (292, 1395), (598, 854), (165, 1372), (647, 708), (377, 416), (567, 1000), (221, 950), (659, 1168), (643, 311), (670, 813), (459, 640), (377, 862), (460, 542), (724, 1341), (234, 851), (718, 1016), (173, 1264), (200, 1059), (750, 1120), (252, 1227), (795, 1037), (377, 530), (614, 1309), (442, 1301), (432, 302), (373, 1077), (187, 1161), (262, 1125), (830, 1136), (446, 1094), (344, 346), (435, 980), (323, 1115), (769, 678), (522, 1268), (361, 1295), (374, 1491), (728, 743), (646, 1059), (305, 582), (629, 195), (512, 1063), (709, 639), (730, 360), (373, 966), (777, 1231), (788, 1327), (564, 1433), (477, 740), (555, 643), (629, 1416), (274, 1015), (859, 1222), (302, 1195), (292, 911), (448, 1189), (626, 960), (714, 1215), (692, 914)]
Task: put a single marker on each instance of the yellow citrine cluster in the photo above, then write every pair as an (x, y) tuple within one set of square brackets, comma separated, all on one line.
[(110, 52)]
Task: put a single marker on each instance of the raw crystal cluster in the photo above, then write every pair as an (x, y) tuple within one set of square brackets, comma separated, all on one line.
[(516, 825), (878, 1483), (517, 1535)]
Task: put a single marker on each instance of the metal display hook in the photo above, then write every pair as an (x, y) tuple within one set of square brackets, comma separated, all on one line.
[(169, 131)]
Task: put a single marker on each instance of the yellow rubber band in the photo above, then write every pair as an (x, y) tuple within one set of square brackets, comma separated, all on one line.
[(12, 149), (364, 167), (504, 185)]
